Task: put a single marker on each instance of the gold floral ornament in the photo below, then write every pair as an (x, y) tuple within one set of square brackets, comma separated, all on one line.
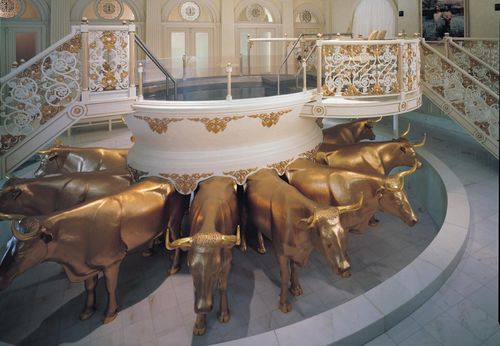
[(108, 39), (241, 175), (280, 167), (185, 183), (270, 119), (9, 8), (8, 142), (310, 154), (216, 125), (158, 125)]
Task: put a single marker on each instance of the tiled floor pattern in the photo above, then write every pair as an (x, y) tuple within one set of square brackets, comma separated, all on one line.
[(159, 312)]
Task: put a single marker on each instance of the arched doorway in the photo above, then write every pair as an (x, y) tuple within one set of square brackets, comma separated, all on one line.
[(372, 15)]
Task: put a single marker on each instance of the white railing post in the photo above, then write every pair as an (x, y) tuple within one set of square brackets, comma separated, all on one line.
[(140, 71), (14, 65), (132, 57), (84, 29), (249, 45), (229, 70), (319, 63), (304, 75), (447, 45), (286, 52), (184, 66), (241, 64)]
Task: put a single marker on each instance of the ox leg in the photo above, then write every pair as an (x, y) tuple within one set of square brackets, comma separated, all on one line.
[(295, 287), (111, 278), (179, 206), (284, 304), (224, 315), (90, 304), (260, 240), (200, 326)]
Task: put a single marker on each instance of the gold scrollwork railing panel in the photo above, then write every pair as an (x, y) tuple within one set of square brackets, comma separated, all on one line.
[(462, 94), (39, 91), (411, 66), (108, 60), (484, 73), (484, 49), (361, 70)]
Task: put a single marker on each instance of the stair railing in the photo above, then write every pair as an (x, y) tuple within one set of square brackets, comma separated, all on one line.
[(457, 93)]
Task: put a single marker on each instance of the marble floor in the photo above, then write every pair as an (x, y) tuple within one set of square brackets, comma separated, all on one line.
[(157, 310)]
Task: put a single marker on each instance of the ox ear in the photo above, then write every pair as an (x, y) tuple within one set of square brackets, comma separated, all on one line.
[(380, 192), (307, 222)]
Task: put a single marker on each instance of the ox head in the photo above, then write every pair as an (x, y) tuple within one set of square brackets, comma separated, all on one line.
[(332, 235), (27, 248), (364, 129), (205, 262), (408, 149), (393, 198), (52, 162), (15, 198)]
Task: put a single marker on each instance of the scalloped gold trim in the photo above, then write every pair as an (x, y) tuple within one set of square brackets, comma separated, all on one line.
[(185, 183), (281, 166), (135, 173), (158, 125), (241, 175)]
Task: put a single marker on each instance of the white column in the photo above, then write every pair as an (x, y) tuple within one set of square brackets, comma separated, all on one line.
[(154, 34), (60, 11), (228, 43)]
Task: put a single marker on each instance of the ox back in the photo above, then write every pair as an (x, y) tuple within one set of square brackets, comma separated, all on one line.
[(56, 192), (349, 133)]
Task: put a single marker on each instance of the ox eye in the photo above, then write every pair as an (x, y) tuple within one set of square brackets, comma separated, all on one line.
[(52, 158), (403, 149)]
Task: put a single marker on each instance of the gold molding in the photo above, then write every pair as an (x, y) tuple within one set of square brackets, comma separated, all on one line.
[(216, 125), (135, 173), (158, 125), (240, 175), (310, 154), (270, 119), (185, 183)]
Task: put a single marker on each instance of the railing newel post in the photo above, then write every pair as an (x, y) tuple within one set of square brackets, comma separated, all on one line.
[(132, 56), (140, 71), (84, 29), (447, 45), (229, 70), (249, 46), (304, 75), (319, 72)]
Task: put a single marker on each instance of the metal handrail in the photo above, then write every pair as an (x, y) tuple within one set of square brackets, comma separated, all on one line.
[(286, 58), (155, 61), (300, 68)]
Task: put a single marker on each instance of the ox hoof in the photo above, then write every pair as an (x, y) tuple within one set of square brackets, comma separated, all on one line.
[(87, 313), (199, 330), (224, 317), (373, 222), (109, 318), (147, 253), (174, 270), (285, 307), (296, 291), (261, 250), (345, 274), (243, 247)]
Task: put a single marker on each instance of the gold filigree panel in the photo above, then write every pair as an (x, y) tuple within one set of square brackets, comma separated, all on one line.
[(185, 183), (158, 125)]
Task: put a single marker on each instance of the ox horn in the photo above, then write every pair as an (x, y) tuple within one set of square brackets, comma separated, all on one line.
[(22, 236), (399, 178), (232, 240), (406, 132), (422, 142), (353, 207), (43, 152), (181, 243), (10, 217), (376, 121)]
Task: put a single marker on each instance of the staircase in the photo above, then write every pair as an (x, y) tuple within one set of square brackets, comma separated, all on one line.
[(465, 88), (89, 73)]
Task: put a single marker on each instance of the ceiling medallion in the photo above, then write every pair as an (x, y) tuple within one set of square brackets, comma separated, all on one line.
[(109, 9), (255, 13), (305, 16), (9, 8), (190, 11)]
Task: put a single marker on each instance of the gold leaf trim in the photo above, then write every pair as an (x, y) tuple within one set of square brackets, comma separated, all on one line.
[(216, 125), (270, 119), (280, 167), (241, 174), (158, 125), (185, 183), (310, 154)]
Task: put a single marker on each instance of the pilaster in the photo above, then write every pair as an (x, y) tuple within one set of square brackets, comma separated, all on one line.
[(228, 48), (154, 32), (60, 11)]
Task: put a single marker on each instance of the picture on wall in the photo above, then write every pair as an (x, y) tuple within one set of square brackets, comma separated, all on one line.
[(443, 16)]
